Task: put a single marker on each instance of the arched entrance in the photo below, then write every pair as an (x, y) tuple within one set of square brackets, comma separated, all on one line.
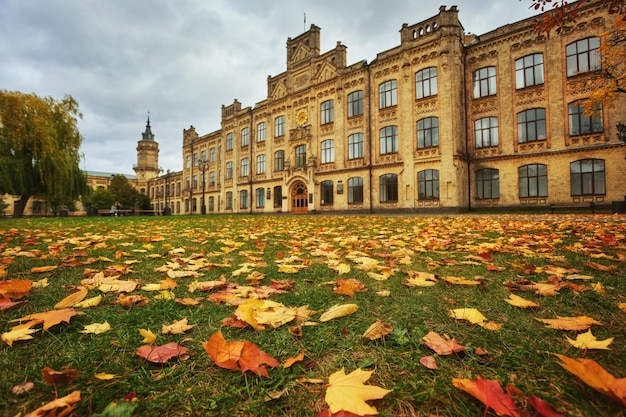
[(298, 195)]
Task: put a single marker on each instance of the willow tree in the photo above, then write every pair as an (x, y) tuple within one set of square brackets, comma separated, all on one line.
[(39, 149)]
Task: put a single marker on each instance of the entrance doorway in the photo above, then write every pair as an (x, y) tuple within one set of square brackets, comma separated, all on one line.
[(299, 201)]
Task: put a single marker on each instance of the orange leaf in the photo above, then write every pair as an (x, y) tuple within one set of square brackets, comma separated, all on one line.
[(72, 299), (570, 323), (51, 318), (442, 346), (52, 377), (543, 408), (253, 359), (490, 393), (594, 375), (41, 269), (224, 354), (348, 287), (293, 360), (161, 354), (15, 288), (63, 402)]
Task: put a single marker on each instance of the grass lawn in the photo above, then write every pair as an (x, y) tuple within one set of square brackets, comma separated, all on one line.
[(308, 261)]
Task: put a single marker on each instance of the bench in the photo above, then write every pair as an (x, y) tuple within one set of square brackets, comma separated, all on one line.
[(590, 205)]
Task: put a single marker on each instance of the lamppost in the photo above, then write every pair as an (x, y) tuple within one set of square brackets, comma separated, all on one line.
[(191, 179), (203, 165), (167, 210)]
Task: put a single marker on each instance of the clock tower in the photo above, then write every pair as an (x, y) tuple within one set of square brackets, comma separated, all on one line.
[(147, 166)]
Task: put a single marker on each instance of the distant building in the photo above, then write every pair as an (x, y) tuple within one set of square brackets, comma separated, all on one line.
[(443, 121)]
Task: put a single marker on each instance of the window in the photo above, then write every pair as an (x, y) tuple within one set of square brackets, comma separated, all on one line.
[(279, 126), (533, 180), (229, 141), (428, 132), (229, 200), (326, 193), (203, 156), (583, 56), (279, 160), (186, 206), (194, 205), (486, 132), (484, 82), (245, 137), (529, 71), (195, 159), (428, 184), (426, 83), (355, 190), (388, 188), (260, 132), (211, 178), (327, 112), (388, 140), (328, 151), (355, 146), (195, 181), (300, 156), (212, 155), (487, 183), (188, 161), (243, 199), (229, 170), (260, 164), (587, 177), (531, 125), (581, 123), (188, 183), (259, 196), (278, 196), (355, 103), (211, 203), (245, 167), (387, 94)]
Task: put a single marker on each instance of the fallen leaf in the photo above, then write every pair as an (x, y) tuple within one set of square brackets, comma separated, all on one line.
[(543, 408), (52, 317), (570, 323), (290, 361), (90, 302), (15, 288), (442, 346), (517, 301), (96, 328), (104, 376), (18, 334), (473, 316), (50, 409), (42, 269), (52, 377), (177, 327), (338, 310), (490, 393), (349, 393), (148, 336), (236, 355), (589, 341), (161, 354), (349, 287), (377, 330), (72, 300), (429, 362), (22, 388), (594, 375)]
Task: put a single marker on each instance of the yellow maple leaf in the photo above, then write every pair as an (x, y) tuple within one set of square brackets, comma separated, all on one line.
[(349, 393), (377, 330), (589, 341), (570, 323), (96, 328), (338, 310), (342, 268), (473, 316), (148, 336), (177, 327), (104, 376), (18, 334), (517, 301)]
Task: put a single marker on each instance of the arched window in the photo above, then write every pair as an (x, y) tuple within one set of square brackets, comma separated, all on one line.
[(388, 188), (583, 56), (587, 177), (533, 180), (428, 132), (387, 94), (484, 82), (531, 125), (328, 151), (486, 132), (389, 140), (426, 83), (529, 71)]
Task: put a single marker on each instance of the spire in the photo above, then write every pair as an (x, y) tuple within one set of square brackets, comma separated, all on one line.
[(147, 135)]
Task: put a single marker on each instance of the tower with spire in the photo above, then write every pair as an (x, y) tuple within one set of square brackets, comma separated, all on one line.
[(147, 166)]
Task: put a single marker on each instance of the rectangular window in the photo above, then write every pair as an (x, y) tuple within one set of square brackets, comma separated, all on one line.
[(426, 83), (529, 71), (260, 132), (581, 123), (278, 196), (326, 193), (243, 199), (387, 94), (587, 177), (260, 164), (388, 188), (203, 156), (533, 180), (301, 156), (428, 184), (229, 200), (212, 178), (229, 141), (388, 140), (487, 183), (355, 103), (212, 155), (279, 126), (531, 125), (327, 112), (484, 82), (355, 146), (328, 151), (279, 160), (583, 56), (260, 197), (229, 170)]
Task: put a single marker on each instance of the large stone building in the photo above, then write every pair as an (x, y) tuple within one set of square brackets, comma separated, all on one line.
[(443, 121)]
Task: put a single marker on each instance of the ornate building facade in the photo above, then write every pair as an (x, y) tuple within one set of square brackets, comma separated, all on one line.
[(443, 121)]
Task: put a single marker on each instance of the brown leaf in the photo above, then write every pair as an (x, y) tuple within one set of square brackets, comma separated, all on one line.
[(442, 346), (52, 377), (52, 407), (161, 354), (570, 323), (52, 317), (377, 330)]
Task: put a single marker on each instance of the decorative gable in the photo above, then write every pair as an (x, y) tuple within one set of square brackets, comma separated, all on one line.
[(325, 72)]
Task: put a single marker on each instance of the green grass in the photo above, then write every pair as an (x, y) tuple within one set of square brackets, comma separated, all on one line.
[(520, 354)]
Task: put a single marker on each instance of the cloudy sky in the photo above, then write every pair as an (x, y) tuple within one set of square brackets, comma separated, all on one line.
[(182, 60)]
